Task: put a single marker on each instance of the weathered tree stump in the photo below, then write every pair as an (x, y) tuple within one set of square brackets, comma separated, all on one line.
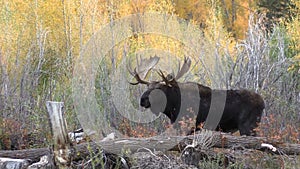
[(62, 144)]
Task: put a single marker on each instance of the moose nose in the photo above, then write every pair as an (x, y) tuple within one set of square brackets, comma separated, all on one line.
[(145, 102)]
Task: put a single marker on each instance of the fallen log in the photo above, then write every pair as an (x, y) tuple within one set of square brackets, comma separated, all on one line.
[(221, 140), (159, 143), (32, 154)]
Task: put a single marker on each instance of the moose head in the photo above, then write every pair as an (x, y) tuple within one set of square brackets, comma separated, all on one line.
[(161, 96)]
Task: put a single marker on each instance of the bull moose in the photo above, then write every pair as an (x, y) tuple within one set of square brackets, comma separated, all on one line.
[(242, 108)]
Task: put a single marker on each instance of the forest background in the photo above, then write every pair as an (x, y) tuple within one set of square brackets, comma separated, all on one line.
[(258, 42)]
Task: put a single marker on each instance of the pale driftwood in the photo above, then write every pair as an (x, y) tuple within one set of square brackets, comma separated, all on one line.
[(44, 163), (22, 163), (62, 144), (8, 163)]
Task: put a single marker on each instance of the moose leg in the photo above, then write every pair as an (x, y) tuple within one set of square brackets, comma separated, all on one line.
[(247, 126)]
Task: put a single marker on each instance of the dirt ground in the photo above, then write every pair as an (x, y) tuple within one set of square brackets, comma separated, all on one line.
[(234, 159), (159, 160)]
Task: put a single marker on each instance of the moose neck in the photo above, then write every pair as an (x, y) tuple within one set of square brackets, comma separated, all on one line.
[(191, 99), (173, 103)]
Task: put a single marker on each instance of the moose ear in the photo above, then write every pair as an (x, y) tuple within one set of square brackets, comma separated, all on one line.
[(170, 77), (171, 80)]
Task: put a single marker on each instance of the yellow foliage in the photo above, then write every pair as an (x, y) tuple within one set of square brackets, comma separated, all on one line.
[(234, 15), (70, 24), (293, 32), (217, 34)]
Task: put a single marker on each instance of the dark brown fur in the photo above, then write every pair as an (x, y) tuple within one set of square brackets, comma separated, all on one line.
[(243, 108)]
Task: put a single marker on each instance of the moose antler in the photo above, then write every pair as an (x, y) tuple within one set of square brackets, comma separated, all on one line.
[(169, 79), (165, 79), (185, 68), (142, 69)]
